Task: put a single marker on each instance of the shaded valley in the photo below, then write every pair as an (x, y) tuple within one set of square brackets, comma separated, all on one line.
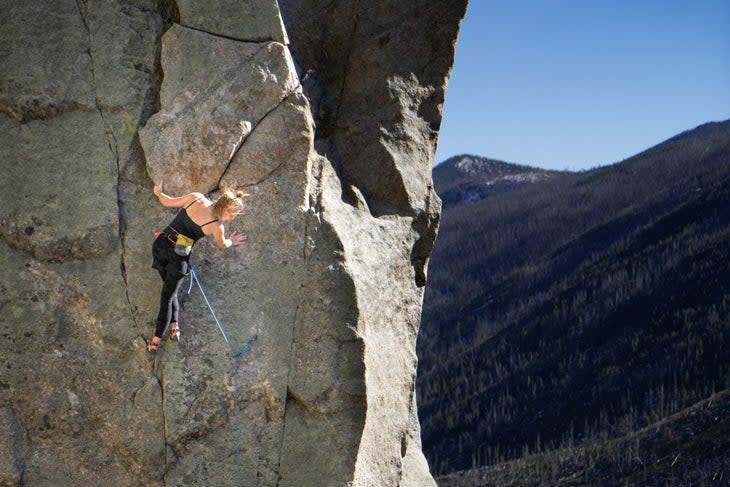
[(570, 311)]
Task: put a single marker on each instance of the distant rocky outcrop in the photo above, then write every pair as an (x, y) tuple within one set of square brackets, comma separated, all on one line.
[(466, 179), (327, 114)]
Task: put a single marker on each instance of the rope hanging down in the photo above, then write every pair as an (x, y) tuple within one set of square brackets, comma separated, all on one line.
[(235, 355)]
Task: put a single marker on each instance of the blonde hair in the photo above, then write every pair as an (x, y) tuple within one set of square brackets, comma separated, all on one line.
[(230, 201)]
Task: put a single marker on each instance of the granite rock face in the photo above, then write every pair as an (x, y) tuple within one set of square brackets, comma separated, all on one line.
[(327, 114), (216, 90)]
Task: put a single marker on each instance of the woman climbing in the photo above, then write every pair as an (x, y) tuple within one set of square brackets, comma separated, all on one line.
[(197, 218)]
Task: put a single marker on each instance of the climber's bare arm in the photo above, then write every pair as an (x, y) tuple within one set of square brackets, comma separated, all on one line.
[(174, 201), (219, 235)]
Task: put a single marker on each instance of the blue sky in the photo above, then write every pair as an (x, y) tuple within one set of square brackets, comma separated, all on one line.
[(564, 84)]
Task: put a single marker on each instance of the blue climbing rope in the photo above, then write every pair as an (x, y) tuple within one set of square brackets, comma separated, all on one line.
[(235, 356)]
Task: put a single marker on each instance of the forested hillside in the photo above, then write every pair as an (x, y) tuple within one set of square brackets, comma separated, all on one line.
[(689, 448), (574, 308)]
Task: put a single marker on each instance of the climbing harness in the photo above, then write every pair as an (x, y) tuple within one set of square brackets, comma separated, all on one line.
[(182, 245), (235, 356)]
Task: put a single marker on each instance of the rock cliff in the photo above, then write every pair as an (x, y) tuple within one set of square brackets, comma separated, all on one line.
[(327, 114)]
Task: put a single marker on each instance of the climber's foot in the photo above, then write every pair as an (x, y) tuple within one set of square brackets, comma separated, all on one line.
[(154, 344), (174, 331)]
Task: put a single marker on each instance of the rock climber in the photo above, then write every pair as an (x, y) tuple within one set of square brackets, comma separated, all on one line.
[(197, 218)]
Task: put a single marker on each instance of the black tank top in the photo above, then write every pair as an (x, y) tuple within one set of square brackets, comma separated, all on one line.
[(182, 223)]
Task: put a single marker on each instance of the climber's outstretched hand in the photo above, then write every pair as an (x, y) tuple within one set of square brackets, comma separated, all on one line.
[(238, 238)]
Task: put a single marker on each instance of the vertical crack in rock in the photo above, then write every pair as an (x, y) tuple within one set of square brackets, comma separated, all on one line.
[(12, 447), (172, 10), (314, 204), (288, 395), (346, 69), (164, 428), (314, 200), (426, 225), (114, 149)]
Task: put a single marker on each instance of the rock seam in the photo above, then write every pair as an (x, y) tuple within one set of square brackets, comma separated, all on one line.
[(114, 149)]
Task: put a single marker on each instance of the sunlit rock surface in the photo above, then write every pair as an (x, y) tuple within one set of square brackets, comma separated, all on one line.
[(327, 114)]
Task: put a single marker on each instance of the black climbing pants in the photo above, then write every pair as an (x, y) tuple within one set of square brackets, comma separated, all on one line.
[(173, 269)]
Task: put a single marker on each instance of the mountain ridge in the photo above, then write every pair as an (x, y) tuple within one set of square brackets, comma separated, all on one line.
[(468, 178), (559, 287)]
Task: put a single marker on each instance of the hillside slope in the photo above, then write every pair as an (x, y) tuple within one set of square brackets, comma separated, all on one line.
[(689, 448), (583, 306)]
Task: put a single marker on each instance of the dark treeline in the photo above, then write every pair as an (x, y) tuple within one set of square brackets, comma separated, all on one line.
[(576, 307), (685, 449)]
